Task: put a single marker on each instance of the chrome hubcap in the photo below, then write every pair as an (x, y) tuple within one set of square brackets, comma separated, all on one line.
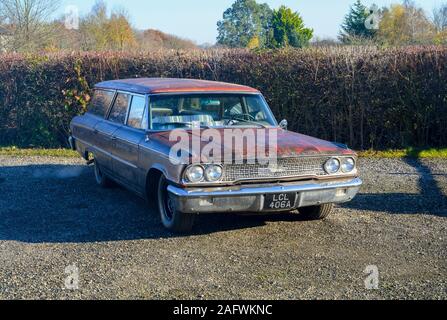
[(171, 207)]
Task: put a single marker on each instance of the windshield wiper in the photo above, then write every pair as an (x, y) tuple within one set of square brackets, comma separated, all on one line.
[(246, 121)]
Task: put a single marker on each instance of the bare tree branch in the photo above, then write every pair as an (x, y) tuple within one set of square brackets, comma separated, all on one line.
[(29, 20), (440, 17)]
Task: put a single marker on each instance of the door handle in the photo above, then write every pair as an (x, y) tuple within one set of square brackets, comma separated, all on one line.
[(95, 131), (114, 138)]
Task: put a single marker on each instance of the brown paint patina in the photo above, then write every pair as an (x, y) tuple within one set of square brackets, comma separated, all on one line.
[(288, 144), (168, 85)]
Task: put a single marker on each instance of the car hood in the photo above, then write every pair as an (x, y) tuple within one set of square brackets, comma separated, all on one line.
[(288, 143)]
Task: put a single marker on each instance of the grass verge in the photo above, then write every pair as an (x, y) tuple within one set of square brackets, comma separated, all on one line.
[(18, 152), (431, 153), (406, 153)]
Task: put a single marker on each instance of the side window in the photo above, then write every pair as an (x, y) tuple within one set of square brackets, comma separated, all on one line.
[(119, 109), (136, 112), (100, 102)]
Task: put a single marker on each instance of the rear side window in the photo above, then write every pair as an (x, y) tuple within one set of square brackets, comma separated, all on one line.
[(101, 102), (136, 112), (119, 109)]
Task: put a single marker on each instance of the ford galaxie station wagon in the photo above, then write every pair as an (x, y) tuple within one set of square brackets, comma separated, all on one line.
[(193, 147)]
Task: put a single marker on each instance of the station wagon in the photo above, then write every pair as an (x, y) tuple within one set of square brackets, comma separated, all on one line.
[(167, 141)]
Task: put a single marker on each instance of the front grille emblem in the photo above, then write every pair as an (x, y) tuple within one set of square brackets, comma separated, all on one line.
[(271, 170)]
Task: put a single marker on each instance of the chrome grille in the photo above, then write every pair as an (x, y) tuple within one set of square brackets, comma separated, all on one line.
[(289, 167)]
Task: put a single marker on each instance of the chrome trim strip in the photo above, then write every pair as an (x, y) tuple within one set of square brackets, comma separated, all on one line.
[(108, 154), (142, 146), (135, 144), (244, 191), (123, 162), (93, 147), (271, 180)]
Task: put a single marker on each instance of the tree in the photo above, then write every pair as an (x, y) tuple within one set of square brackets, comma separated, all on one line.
[(405, 24), (440, 23), (93, 28), (440, 17), (28, 20), (155, 39), (353, 27), (120, 33), (63, 38), (254, 43), (245, 20), (101, 32), (287, 29), (421, 29)]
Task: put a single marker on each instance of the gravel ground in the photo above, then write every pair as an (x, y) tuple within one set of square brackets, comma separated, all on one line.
[(52, 215)]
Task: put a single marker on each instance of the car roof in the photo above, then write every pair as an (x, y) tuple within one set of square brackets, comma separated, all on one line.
[(170, 85)]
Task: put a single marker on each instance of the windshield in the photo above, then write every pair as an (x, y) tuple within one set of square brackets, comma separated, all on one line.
[(210, 110)]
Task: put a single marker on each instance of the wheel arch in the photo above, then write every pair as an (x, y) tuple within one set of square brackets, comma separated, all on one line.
[(152, 177)]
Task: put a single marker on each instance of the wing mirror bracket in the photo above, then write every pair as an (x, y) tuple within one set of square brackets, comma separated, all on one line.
[(284, 124)]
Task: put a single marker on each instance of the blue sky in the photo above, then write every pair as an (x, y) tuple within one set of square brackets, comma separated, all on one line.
[(196, 19)]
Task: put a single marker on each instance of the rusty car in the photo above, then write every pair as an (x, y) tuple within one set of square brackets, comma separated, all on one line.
[(127, 135)]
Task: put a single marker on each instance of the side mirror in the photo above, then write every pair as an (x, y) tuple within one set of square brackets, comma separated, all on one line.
[(283, 124)]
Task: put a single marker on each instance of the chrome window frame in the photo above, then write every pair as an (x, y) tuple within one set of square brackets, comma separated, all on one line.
[(113, 104), (133, 95)]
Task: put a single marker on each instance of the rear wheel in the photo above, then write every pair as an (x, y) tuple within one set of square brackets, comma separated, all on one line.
[(171, 218), (316, 212), (101, 179)]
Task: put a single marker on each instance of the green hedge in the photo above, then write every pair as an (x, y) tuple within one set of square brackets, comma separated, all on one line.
[(365, 97)]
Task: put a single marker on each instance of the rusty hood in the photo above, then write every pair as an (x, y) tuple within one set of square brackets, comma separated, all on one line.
[(262, 143)]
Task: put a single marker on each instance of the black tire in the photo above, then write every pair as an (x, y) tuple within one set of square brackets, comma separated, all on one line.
[(172, 219), (316, 212), (101, 179)]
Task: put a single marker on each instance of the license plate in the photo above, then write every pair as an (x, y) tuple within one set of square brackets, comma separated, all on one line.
[(279, 201)]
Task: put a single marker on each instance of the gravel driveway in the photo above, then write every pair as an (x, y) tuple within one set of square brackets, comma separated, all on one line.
[(55, 221)]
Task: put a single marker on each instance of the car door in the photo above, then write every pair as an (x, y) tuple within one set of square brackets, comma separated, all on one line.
[(83, 127), (106, 129), (126, 143), (101, 130)]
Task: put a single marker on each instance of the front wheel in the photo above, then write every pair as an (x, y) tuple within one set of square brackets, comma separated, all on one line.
[(171, 218), (316, 212)]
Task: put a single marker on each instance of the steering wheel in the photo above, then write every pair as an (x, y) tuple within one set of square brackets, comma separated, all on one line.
[(242, 117)]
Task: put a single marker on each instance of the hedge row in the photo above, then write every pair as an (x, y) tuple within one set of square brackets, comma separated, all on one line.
[(365, 97)]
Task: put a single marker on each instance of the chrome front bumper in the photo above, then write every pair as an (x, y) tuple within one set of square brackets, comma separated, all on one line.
[(250, 198)]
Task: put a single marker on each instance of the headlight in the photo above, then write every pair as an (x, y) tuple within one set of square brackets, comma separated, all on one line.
[(332, 166), (347, 165), (194, 173), (213, 173)]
